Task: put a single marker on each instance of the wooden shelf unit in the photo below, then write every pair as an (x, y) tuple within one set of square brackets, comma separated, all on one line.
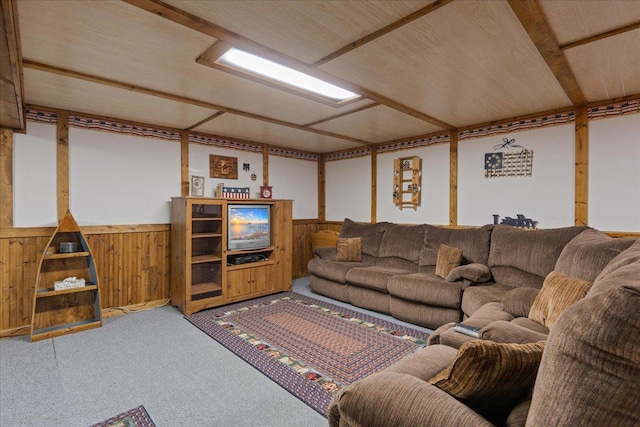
[(200, 274), (70, 310)]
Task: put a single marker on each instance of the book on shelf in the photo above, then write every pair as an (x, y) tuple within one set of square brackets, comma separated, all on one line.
[(472, 331)]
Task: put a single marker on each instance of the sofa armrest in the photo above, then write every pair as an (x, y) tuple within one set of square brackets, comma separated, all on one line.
[(474, 272), (518, 301), (399, 400), (507, 332), (327, 253)]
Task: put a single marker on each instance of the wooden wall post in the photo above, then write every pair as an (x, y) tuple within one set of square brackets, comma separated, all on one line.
[(453, 177), (374, 184), (184, 163), (322, 195), (581, 166), (62, 162), (6, 177), (265, 165)]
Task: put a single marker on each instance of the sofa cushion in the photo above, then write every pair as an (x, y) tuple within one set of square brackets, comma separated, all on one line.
[(349, 249), (332, 270), (373, 277), (518, 301), (426, 288), (371, 234), (533, 251), (510, 332), (476, 296), (448, 259), (590, 370), (490, 377), (475, 272), (558, 292), (402, 241), (586, 255), (474, 243)]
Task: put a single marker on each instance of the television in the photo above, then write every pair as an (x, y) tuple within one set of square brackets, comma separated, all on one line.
[(248, 227)]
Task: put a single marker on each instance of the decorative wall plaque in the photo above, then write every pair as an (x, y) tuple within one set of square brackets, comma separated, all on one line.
[(223, 167)]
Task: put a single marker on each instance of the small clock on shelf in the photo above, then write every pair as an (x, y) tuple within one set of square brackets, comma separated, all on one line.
[(265, 191)]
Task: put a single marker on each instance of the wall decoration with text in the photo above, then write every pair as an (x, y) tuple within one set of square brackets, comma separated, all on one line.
[(508, 163), (223, 167)]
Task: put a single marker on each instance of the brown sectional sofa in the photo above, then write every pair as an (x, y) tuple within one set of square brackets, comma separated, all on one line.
[(589, 369), (397, 272)]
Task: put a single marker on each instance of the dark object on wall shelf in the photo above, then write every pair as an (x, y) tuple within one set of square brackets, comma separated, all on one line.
[(520, 222)]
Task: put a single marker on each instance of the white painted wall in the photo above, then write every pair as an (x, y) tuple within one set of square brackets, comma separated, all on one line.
[(614, 173), (434, 206), (34, 176), (546, 196), (348, 189), (199, 166), (120, 179), (297, 180)]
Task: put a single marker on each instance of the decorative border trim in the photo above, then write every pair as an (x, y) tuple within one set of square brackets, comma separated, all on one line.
[(42, 116), (350, 154), (536, 122), (122, 128), (224, 143), (288, 152), (414, 143), (616, 109)]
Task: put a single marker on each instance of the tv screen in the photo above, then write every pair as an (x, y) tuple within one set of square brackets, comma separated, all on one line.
[(248, 227)]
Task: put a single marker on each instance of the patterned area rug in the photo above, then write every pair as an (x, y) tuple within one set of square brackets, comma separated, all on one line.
[(309, 347), (136, 417)]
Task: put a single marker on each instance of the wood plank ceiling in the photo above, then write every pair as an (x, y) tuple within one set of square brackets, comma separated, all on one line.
[(421, 67)]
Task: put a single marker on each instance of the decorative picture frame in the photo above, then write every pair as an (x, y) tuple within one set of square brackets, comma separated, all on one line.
[(223, 167), (197, 186)]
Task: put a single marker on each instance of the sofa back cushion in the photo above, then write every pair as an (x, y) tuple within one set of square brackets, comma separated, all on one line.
[(624, 268), (532, 251), (474, 243), (402, 241), (590, 369), (516, 277), (586, 255), (371, 234)]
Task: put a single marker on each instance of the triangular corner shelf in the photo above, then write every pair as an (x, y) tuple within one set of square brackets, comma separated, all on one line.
[(61, 312)]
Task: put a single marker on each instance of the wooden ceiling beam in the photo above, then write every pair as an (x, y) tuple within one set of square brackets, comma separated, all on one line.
[(12, 111), (206, 120), (195, 23), (600, 36), (382, 31), (532, 19), (152, 92), (337, 116)]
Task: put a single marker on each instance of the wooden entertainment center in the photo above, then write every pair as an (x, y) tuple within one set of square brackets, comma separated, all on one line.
[(206, 273)]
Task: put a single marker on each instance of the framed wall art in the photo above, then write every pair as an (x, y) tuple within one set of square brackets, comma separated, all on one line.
[(223, 167), (197, 186)]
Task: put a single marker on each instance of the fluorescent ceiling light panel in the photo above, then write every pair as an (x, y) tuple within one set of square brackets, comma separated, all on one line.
[(274, 71)]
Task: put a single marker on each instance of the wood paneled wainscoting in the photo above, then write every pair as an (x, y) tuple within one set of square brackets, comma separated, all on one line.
[(132, 263), (302, 230)]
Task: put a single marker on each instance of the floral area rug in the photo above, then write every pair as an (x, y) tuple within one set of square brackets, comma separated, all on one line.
[(136, 417), (309, 347)]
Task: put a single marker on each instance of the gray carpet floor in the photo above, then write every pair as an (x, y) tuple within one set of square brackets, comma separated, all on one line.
[(153, 358)]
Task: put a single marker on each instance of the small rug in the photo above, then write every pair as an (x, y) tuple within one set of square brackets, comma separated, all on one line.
[(136, 417), (309, 347)]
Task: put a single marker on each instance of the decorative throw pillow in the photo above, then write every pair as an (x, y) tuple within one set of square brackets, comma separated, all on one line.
[(448, 259), (349, 249), (558, 292), (490, 377)]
